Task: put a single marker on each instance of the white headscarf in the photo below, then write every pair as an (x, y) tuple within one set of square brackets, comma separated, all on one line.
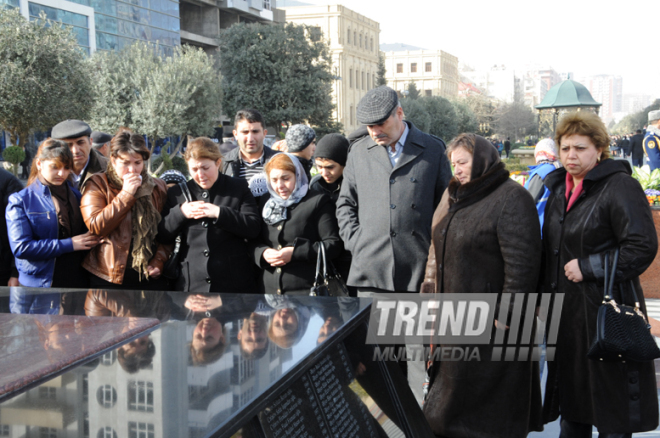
[(275, 209)]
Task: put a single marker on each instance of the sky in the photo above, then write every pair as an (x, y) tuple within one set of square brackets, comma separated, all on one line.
[(584, 37)]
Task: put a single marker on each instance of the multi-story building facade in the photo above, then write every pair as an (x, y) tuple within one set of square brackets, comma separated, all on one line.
[(607, 89), (354, 42), (633, 102), (434, 72), (536, 83), (202, 20), (499, 82), (110, 24)]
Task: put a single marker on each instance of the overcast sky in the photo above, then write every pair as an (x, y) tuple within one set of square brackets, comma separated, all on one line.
[(584, 37)]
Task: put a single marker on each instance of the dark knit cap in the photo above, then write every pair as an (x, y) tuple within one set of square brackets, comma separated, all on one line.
[(333, 147), (70, 129), (377, 105), (298, 137), (100, 138)]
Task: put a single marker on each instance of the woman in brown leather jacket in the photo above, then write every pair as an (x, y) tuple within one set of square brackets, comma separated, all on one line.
[(122, 205)]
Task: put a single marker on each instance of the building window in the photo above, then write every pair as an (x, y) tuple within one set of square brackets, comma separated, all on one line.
[(413, 67), (267, 5), (140, 396), (348, 36), (109, 358), (350, 78), (372, 44), (106, 396), (4, 430), (46, 393), (106, 432), (399, 68), (351, 114), (140, 430), (360, 40), (428, 67), (364, 85), (47, 432), (357, 79), (355, 37), (428, 92), (368, 78)]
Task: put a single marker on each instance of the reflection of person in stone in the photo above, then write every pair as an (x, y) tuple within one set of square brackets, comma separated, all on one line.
[(137, 354), (330, 325), (209, 342), (283, 328), (252, 336)]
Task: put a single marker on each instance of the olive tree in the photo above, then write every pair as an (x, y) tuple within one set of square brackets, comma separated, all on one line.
[(44, 76)]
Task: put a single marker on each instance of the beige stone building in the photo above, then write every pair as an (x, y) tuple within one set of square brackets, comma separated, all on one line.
[(434, 72), (354, 46)]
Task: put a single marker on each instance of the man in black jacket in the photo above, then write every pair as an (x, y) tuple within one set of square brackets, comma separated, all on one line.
[(637, 148), (8, 274)]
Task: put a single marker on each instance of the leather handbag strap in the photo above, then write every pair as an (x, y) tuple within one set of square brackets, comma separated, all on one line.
[(321, 266), (609, 276), (186, 192)]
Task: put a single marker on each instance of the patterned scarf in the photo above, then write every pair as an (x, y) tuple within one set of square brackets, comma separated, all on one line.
[(275, 209), (144, 219)]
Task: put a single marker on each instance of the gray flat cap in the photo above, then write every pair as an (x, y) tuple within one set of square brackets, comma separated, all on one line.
[(654, 115), (100, 138), (70, 129), (298, 137), (377, 105)]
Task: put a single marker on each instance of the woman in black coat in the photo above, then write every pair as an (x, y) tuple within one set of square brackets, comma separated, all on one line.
[(595, 207), (213, 227), (294, 222)]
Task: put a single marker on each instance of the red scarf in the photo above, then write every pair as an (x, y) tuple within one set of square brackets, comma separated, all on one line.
[(577, 191)]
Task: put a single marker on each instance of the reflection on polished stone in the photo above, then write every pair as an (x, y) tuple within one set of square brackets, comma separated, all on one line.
[(36, 347)]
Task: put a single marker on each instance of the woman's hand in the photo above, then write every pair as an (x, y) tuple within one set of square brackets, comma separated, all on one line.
[(153, 272), (572, 271), (132, 182), (278, 258), (203, 303), (200, 209), (85, 241)]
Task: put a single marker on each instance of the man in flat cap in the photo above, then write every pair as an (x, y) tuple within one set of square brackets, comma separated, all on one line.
[(652, 139), (393, 181), (86, 162), (101, 143)]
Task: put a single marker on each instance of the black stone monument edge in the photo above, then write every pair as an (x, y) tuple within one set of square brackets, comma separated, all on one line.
[(253, 408)]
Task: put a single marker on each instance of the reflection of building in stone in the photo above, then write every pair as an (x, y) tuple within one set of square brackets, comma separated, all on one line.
[(434, 72), (51, 410), (607, 89), (131, 404), (202, 20), (353, 40)]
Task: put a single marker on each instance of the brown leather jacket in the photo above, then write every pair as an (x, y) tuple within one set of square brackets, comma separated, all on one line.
[(107, 213)]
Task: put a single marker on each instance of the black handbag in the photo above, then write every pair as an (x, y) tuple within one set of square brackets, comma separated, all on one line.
[(622, 331), (327, 281), (172, 267)]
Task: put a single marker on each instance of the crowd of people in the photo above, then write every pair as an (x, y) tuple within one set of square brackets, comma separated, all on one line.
[(392, 216)]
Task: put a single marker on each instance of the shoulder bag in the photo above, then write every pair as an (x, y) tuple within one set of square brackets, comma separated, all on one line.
[(172, 268), (622, 331), (327, 281)]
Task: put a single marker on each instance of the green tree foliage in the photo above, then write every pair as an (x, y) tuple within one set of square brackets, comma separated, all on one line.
[(279, 70), (413, 92), (14, 155), (382, 71), (157, 96), (515, 120), (635, 121), (483, 109), (44, 76), (432, 114), (467, 121)]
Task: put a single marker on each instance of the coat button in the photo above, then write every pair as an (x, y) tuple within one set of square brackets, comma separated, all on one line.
[(439, 266), (208, 280), (279, 291), (279, 246), (561, 220), (205, 195), (392, 181), (553, 285), (556, 252), (392, 233), (279, 270), (413, 180), (413, 206), (205, 224), (633, 380), (443, 232), (392, 206), (206, 253), (279, 228)]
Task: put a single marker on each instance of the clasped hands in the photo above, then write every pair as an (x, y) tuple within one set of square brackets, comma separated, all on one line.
[(278, 257), (572, 271), (200, 209)]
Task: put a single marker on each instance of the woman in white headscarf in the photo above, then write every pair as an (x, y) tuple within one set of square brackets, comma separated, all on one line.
[(295, 222)]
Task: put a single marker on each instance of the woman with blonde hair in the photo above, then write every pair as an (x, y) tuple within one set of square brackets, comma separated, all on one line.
[(213, 224)]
